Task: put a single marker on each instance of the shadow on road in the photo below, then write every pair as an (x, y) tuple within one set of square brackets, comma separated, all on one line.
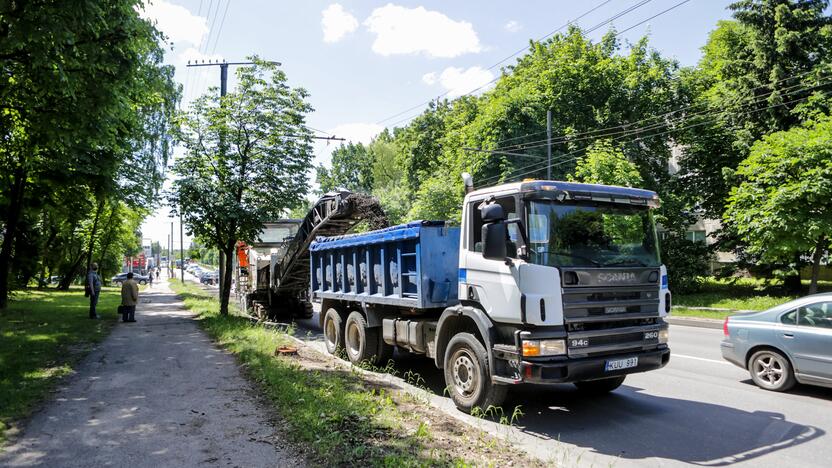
[(631, 423)]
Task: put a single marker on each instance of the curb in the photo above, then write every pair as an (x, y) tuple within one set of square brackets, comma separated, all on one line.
[(694, 322)]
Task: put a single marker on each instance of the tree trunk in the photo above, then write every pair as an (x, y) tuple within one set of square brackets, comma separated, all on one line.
[(819, 250), (71, 272), (91, 245), (225, 287), (11, 221)]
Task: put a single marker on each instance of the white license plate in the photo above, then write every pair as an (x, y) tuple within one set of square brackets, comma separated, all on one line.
[(619, 364)]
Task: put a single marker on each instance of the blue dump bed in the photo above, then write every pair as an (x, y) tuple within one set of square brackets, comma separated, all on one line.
[(410, 265)]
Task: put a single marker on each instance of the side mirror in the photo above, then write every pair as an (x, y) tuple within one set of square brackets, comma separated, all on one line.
[(494, 237), (491, 213)]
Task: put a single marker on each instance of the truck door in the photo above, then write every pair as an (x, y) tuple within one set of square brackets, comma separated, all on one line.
[(492, 283)]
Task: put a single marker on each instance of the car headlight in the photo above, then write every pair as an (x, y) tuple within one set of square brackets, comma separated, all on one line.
[(664, 334), (533, 348)]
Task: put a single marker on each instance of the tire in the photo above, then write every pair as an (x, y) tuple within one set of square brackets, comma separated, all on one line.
[(142, 282), (771, 370), (333, 331), (600, 386), (467, 377), (117, 283), (360, 341)]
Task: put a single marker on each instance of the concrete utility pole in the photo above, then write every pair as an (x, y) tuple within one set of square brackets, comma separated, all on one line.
[(549, 144), (181, 246), (172, 262)]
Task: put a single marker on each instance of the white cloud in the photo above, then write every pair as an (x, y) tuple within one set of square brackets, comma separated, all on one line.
[(337, 23), (179, 24), (400, 30), (458, 81), (357, 132), (513, 26)]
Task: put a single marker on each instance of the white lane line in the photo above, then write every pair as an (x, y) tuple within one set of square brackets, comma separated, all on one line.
[(672, 354)]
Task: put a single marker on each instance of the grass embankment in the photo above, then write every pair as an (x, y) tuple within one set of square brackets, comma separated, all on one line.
[(734, 295), (344, 419), (43, 333)]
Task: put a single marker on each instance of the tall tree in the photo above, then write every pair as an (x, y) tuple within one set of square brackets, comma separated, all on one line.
[(245, 162), (782, 206), (352, 169)]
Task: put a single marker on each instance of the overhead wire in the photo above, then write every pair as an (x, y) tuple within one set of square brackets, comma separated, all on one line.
[(532, 168), (590, 30)]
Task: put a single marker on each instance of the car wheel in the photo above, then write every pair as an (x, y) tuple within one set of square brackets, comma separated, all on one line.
[(467, 377), (142, 282), (771, 370)]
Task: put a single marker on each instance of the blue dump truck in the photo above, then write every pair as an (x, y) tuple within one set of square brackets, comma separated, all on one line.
[(542, 282)]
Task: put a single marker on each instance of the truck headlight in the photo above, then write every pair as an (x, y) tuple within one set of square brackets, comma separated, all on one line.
[(533, 348), (664, 334)]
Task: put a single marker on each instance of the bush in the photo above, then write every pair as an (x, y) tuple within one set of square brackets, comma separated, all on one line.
[(687, 262)]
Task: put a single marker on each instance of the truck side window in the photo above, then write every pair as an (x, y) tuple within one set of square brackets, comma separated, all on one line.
[(510, 207)]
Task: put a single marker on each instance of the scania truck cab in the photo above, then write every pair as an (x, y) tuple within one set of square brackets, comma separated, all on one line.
[(556, 282)]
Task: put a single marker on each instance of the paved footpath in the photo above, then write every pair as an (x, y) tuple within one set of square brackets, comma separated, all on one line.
[(154, 393)]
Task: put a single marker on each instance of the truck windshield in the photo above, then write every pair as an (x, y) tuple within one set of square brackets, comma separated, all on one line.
[(591, 235)]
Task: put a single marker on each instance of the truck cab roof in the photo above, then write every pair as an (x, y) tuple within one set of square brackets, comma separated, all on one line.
[(571, 191)]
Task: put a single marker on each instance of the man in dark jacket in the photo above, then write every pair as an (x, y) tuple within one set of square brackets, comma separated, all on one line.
[(94, 285), (129, 298)]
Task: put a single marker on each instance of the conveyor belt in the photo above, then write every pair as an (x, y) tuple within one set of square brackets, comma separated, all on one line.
[(333, 215)]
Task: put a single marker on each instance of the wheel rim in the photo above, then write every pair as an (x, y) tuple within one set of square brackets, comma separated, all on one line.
[(331, 333), (353, 339), (465, 374), (769, 369)]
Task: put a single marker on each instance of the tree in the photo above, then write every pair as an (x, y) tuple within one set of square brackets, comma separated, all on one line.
[(81, 102), (782, 207), (352, 169), (606, 164), (245, 162)]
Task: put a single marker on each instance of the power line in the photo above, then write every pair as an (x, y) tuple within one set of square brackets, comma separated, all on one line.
[(539, 166), (654, 16), (585, 32), (595, 133), (493, 66), (222, 23)]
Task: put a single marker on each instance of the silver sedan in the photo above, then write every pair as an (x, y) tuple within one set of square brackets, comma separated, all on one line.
[(785, 344)]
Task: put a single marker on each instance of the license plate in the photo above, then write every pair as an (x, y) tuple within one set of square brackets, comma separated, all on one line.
[(615, 310), (619, 364)]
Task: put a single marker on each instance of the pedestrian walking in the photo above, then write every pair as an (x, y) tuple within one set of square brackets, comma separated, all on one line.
[(92, 289), (129, 299), (150, 278)]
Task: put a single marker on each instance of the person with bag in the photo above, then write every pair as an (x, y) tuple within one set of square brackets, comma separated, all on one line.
[(129, 299), (92, 289)]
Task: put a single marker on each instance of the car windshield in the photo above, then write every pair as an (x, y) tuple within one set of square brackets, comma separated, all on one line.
[(591, 235)]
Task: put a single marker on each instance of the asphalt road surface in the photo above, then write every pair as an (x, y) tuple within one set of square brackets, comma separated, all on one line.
[(698, 410)]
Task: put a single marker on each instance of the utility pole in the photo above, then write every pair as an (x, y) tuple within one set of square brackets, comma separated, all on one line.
[(549, 144), (172, 263), (181, 246)]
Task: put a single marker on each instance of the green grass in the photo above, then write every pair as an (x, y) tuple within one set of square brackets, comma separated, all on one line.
[(42, 335), (735, 294), (344, 420)]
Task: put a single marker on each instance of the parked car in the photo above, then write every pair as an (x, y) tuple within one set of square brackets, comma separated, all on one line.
[(785, 344), (122, 277), (209, 277)]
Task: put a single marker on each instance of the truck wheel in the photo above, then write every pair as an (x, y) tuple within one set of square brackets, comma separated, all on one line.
[(467, 377), (333, 331), (600, 386), (360, 341)]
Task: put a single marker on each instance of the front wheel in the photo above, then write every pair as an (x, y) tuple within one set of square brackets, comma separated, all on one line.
[(600, 386), (771, 370), (467, 377), (142, 282)]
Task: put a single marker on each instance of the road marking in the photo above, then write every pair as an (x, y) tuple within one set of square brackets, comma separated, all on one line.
[(699, 358)]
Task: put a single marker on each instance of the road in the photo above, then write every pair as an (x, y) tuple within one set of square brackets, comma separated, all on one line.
[(698, 410)]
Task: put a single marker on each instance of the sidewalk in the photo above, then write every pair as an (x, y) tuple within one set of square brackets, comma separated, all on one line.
[(154, 393)]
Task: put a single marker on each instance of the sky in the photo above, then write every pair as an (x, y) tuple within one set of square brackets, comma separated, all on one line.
[(365, 62)]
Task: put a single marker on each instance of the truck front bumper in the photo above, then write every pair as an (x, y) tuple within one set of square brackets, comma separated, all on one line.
[(575, 370)]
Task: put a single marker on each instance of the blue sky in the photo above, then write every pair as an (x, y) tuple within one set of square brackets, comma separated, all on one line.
[(364, 61)]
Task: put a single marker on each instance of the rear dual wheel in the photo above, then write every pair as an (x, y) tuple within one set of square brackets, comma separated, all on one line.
[(361, 343)]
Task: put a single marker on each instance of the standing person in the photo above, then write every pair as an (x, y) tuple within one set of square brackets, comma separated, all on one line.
[(150, 277), (93, 289), (129, 298)]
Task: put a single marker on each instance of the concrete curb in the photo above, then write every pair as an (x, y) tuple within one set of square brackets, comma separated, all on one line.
[(695, 322)]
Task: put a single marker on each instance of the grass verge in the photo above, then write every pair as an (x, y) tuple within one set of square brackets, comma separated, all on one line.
[(43, 334), (343, 419)]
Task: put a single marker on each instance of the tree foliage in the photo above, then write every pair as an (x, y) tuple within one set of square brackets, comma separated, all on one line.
[(245, 161), (782, 206)]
